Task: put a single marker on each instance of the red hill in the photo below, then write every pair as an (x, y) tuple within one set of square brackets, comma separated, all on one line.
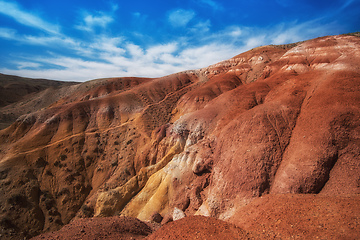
[(260, 129)]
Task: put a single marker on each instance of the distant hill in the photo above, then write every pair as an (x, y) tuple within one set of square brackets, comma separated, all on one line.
[(25, 95), (14, 88)]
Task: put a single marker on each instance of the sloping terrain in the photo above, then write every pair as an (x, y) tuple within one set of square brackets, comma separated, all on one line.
[(20, 95), (200, 227), (273, 120), (301, 216), (111, 228), (14, 89), (273, 216)]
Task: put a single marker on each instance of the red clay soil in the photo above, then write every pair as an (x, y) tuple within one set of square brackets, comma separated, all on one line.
[(112, 228), (301, 216), (199, 227), (282, 216)]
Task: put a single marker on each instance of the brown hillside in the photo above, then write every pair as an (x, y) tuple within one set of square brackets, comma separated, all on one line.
[(14, 89), (20, 95), (273, 120)]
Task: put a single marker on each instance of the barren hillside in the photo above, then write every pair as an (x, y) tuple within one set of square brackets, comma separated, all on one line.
[(274, 127), (20, 96)]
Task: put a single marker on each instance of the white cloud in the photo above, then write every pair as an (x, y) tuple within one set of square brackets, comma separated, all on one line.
[(235, 32), (106, 44), (155, 52), (181, 17), (294, 32), (255, 41), (203, 56), (99, 19), (68, 69), (26, 65), (54, 40), (92, 21), (48, 40), (14, 11), (135, 51), (201, 27), (7, 33)]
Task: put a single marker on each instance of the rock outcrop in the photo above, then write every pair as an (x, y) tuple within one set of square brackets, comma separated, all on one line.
[(273, 120)]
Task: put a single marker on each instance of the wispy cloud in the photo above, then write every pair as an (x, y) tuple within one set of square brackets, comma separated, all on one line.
[(294, 31), (103, 43), (201, 27), (98, 19), (213, 4), (58, 40), (346, 4), (28, 65), (91, 21), (181, 17), (7, 33), (13, 10)]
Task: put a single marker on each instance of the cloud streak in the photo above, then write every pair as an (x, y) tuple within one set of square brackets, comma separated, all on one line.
[(213, 4), (8, 33), (346, 4), (13, 10), (180, 17), (91, 21)]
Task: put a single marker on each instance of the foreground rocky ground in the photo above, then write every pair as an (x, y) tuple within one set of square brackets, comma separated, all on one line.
[(265, 145), (288, 216)]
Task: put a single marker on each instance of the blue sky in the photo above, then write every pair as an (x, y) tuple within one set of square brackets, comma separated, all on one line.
[(80, 40)]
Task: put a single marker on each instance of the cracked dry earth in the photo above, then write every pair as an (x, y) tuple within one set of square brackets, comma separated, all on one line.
[(263, 145)]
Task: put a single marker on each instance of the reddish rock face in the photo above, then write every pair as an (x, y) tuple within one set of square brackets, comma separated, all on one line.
[(276, 119)]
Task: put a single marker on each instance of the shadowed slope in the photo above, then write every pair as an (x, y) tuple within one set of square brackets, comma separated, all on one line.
[(19, 96), (14, 89)]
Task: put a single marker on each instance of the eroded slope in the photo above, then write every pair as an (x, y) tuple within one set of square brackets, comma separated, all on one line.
[(208, 142)]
